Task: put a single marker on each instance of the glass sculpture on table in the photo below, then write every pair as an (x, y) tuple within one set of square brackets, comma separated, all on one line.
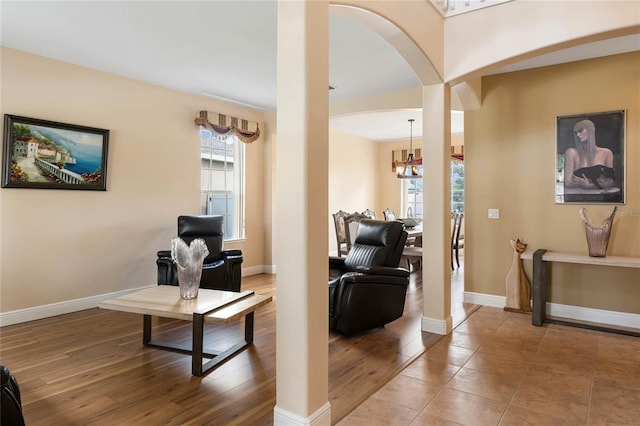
[(188, 260)]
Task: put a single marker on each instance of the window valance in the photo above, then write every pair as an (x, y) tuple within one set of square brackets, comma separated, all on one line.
[(457, 153), (247, 131), (399, 156)]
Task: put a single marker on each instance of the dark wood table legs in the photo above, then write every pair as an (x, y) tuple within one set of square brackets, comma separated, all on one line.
[(197, 350)]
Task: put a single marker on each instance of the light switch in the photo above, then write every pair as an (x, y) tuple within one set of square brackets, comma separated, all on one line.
[(494, 214)]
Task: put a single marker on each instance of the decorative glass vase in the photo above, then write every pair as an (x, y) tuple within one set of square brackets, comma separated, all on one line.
[(597, 237), (188, 260)]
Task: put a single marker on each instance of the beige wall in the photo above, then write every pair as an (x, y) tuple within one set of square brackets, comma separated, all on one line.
[(60, 245), (85, 243), (509, 165), (352, 176), (390, 196)]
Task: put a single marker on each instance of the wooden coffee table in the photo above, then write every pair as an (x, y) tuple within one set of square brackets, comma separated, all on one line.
[(211, 306)]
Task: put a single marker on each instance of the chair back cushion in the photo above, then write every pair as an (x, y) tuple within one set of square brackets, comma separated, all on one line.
[(378, 243), (209, 228)]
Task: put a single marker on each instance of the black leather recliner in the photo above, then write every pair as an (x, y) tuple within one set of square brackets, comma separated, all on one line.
[(11, 409), (367, 289), (221, 269)]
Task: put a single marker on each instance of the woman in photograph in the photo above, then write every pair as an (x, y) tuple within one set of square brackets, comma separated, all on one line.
[(588, 166)]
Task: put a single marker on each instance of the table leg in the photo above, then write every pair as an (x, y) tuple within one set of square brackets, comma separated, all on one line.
[(222, 357), (197, 352), (146, 330), (248, 328), (539, 288), (197, 344)]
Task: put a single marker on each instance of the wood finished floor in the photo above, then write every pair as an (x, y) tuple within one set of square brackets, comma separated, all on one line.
[(90, 368)]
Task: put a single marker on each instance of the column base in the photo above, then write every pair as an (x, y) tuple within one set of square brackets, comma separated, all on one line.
[(322, 417), (437, 326)]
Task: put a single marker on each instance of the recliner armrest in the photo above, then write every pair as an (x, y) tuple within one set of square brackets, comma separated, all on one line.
[(231, 254), (336, 263), (383, 270), (166, 274), (233, 260), (164, 253), (351, 278), (375, 288)]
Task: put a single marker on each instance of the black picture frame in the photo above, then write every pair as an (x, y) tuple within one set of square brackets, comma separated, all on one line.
[(42, 154), (595, 175)]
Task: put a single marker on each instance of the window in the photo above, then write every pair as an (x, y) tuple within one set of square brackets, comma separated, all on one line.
[(457, 186), (413, 197), (222, 180), (413, 193)]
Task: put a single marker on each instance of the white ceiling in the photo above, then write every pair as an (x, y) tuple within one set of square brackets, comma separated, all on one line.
[(227, 50)]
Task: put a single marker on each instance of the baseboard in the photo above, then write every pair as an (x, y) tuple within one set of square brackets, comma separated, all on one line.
[(437, 326), (322, 417), (66, 307), (484, 299), (259, 269), (60, 308), (579, 313), (600, 316)]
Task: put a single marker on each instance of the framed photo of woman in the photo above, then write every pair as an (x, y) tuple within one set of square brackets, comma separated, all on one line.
[(590, 158)]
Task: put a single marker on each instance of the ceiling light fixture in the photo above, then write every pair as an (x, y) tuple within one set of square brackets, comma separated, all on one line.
[(411, 169)]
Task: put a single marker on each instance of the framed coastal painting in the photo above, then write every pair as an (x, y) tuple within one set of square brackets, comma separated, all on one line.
[(590, 158), (50, 155)]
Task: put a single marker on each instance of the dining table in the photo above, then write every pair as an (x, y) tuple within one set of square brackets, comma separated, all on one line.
[(415, 251), (414, 231)]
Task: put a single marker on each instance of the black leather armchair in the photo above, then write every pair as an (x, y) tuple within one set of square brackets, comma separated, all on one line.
[(367, 289), (11, 409), (221, 269)]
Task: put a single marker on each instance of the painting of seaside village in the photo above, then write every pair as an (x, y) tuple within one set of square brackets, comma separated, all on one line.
[(51, 155)]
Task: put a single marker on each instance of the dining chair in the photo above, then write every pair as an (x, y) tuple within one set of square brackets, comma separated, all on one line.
[(458, 242), (454, 223), (351, 223), (389, 214), (412, 255), (370, 214), (341, 232)]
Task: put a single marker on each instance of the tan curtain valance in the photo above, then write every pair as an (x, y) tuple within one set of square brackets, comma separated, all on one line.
[(247, 131), (399, 156), (457, 153)]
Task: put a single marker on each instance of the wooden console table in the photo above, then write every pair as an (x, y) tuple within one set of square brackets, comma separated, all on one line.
[(539, 294)]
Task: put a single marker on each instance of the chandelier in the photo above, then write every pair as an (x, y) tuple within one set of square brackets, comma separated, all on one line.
[(410, 170)]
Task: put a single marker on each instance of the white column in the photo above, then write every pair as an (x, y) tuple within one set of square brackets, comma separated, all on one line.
[(301, 225), (436, 240)]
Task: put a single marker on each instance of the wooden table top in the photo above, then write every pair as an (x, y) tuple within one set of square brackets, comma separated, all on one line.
[(556, 256), (416, 231), (165, 301)]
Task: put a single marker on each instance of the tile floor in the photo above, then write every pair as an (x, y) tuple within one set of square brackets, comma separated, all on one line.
[(498, 369)]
